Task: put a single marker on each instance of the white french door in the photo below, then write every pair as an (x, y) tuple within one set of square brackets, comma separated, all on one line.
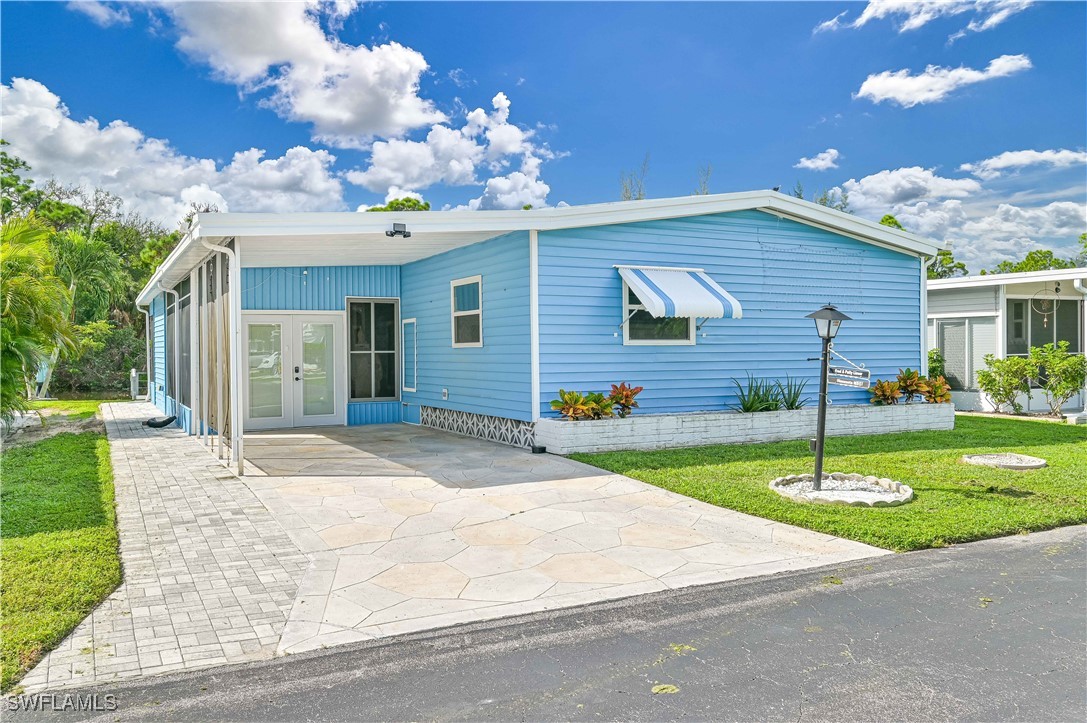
[(295, 372)]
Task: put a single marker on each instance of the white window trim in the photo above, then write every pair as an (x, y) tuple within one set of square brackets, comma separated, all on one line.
[(414, 356), (453, 313), (628, 311)]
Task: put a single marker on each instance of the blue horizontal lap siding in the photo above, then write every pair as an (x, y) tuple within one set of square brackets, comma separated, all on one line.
[(779, 270), (157, 386), (494, 379), (315, 288)]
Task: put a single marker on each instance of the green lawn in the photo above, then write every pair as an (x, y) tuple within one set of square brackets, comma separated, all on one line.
[(953, 502), (69, 408), (58, 544)]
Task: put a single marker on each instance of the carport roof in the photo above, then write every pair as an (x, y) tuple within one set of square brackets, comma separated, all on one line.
[(288, 239)]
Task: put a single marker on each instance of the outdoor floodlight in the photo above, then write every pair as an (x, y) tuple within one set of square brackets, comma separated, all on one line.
[(399, 229)]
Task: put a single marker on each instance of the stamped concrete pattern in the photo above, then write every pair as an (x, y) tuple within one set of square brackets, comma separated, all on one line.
[(209, 575), (344, 534), (409, 528)]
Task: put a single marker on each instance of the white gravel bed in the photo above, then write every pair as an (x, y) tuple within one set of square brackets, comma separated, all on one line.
[(839, 488)]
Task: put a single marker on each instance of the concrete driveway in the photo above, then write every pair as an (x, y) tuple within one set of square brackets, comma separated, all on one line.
[(352, 533), (409, 528)]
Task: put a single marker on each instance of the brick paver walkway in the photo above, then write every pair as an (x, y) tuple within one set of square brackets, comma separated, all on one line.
[(344, 534), (209, 575)]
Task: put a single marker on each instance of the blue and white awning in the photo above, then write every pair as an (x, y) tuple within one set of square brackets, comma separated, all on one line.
[(676, 292)]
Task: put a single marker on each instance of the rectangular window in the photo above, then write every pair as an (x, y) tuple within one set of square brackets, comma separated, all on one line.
[(466, 299), (643, 328), (964, 344), (372, 337)]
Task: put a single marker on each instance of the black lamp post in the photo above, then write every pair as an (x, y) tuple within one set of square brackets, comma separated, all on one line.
[(827, 322)]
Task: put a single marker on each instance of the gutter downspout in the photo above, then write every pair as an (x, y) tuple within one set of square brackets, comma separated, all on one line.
[(925, 261), (236, 452), (146, 311), (174, 351), (1081, 288)]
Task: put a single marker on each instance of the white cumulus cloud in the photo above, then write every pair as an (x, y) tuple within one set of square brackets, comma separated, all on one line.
[(1013, 160), (935, 83), (153, 178), (820, 161), (453, 156), (349, 94), (982, 228)]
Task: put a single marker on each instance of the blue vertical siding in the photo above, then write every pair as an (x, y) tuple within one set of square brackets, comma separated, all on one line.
[(315, 288), (494, 379), (778, 269), (374, 412), (324, 288)]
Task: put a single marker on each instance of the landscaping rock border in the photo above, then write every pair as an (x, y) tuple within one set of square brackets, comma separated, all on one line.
[(855, 490), (1005, 460)]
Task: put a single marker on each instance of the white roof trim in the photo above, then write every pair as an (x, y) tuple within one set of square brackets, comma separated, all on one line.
[(1023, 277), (220, 226)]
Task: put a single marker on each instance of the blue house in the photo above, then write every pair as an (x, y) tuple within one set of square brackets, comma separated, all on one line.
[(472, 321)]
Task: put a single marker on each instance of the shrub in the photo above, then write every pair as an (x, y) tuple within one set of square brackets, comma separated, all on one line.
[(938, 391), (622, 396), (105, 355), (935, 363), (1061, 374), (912, 384), (575, 405), (885, 392), (791, 393), (761, 395), (1003, 380)]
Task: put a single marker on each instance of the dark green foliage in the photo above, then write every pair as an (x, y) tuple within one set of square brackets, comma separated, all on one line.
[(403, 204), (107, 352), (791, 393), (760, 395)]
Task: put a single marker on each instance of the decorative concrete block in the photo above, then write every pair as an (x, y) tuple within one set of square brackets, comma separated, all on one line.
[(660, 431)]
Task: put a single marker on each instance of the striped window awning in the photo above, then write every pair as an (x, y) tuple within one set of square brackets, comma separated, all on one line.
[(678, 292)]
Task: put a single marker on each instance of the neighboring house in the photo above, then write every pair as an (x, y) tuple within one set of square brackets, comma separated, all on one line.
[(473, 321), (1004, 315)]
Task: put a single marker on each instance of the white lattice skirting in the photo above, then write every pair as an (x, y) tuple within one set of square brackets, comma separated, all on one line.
[(495, 429)]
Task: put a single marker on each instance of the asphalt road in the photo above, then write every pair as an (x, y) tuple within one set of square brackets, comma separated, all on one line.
[(993, 631)]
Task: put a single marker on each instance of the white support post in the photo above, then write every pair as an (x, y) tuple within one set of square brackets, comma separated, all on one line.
[(925, 261), (146, 311), (534, 319), (194, 352), (237, 456)]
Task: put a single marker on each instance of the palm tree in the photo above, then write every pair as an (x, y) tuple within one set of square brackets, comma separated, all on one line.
[(34, 307), (91, 270)]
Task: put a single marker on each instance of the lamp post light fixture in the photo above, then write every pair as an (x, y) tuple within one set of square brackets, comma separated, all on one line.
[(828, 321)]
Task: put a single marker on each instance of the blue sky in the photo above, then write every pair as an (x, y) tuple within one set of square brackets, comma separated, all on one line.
[(896, 101)]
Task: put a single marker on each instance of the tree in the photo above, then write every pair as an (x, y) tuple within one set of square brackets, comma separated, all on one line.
[(834, 198), (632, 183), (889, 220), (1081, 260), (92, 272), (703, 187), (408, 203), (1036, 260), (33, 310), (18, 197), (944, 266)]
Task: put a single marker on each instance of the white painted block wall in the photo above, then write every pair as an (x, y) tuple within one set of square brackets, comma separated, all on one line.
[(661, 431)]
